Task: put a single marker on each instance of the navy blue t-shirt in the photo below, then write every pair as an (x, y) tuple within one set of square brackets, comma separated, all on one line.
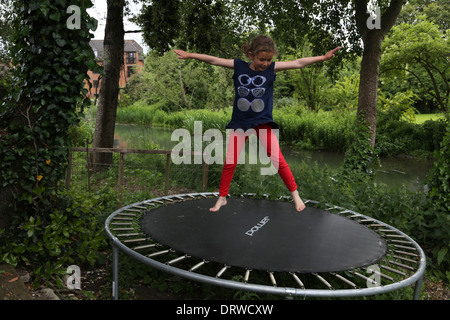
[(253, 102)]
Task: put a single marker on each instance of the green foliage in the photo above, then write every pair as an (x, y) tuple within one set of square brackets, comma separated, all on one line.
[(438, 224), (418, 53), (360, 158), (47, 97), (68, 232)]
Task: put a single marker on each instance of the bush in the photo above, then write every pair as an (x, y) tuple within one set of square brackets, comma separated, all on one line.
[(68, 232)]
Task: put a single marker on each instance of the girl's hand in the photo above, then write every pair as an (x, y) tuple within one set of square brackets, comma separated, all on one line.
[(330, 54), (181, 54)]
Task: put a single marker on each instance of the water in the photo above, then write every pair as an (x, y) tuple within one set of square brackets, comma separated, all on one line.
[(394, 172)]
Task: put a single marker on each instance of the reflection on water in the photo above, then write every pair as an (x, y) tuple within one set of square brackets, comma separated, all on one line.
[(393, 171)]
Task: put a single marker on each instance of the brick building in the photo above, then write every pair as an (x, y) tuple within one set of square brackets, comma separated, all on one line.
[(133, 62)]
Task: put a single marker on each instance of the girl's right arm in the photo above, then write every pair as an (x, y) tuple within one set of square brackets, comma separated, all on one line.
[(215, 61)]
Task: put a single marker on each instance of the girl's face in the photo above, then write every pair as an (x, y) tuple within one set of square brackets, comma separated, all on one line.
[(260, 61)]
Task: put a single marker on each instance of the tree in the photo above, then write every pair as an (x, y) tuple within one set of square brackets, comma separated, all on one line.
[(420, 50), (109, 91), (372, 39), (50, 63)]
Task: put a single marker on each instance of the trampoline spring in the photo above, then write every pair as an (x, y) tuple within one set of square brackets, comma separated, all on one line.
[(132, 210), (297, 279), (123, 219), (393, 270), (383, 275), (272, 279), (365, 278), (149, 204), (140, 207), (376, 225), (351, 284), (159, 253), (173, 261), (127, 214), (198, 265), (387, 230), (122, 229), (394, 236), (406, 253), (405, 259), (157, 201), (222, 271), (121, 223), (128, 235), (401, 241), (134, 240), (325, 282), (401, 265), (404, 247), (168, 199), (247, 275), (145, 246)]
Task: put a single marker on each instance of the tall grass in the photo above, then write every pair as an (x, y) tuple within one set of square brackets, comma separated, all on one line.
[(307, 129)]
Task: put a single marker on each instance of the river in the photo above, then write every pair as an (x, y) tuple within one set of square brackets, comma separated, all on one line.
[(394, 172)]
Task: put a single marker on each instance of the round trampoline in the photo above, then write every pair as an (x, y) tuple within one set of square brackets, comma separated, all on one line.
[(265, 246)]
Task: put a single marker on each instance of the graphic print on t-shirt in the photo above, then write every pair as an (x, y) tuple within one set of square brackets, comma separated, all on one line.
[(256, 104)]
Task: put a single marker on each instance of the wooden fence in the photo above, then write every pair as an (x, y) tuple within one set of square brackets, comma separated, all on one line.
[(122, 153)]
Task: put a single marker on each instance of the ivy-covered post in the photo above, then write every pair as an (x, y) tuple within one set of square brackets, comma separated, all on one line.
[(50, 58)]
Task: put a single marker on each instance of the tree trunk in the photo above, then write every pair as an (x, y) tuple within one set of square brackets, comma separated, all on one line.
[(372, 36), (368, 85), (109, 91)]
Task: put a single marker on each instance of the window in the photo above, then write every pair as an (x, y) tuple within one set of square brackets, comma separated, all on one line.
[(131, 57), (130, 71)]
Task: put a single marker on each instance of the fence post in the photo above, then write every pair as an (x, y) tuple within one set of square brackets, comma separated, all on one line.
[(205, 169), (69, 170), (166, 189), (120, 180)]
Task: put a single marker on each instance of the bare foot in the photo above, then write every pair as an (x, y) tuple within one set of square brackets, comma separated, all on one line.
[(298, 202), (222, 201)]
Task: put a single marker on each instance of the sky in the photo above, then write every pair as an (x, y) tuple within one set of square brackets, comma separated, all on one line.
[(98, 11)]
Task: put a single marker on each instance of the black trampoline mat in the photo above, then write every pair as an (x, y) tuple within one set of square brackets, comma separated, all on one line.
[(264, 235)]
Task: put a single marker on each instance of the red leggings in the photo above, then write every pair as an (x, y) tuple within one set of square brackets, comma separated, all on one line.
[(238, 138)]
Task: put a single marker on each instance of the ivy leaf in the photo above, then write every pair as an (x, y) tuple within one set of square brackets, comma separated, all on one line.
[(55, 16), (61, 42)]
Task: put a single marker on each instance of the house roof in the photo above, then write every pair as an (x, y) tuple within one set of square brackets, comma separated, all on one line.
[(129, 46)]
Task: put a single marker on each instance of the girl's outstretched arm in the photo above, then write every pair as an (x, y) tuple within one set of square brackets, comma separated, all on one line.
[(303, 62), (228, 63)]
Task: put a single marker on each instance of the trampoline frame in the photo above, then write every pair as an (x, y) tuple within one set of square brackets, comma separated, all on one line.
[(124, 218)]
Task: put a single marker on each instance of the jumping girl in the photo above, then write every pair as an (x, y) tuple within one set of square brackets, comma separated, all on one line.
[(253, 105)]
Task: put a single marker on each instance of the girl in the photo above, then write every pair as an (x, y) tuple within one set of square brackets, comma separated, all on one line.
[(253, 106)]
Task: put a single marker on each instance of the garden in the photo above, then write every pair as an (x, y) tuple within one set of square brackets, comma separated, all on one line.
[(48, 224)]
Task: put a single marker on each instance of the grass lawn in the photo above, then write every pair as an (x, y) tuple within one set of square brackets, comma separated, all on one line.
[(421, 118)]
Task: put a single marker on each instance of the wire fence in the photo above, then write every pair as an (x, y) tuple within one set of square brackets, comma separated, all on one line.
[(127, 166)]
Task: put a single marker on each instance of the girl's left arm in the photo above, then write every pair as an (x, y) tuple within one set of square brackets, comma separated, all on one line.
[(303, 62)]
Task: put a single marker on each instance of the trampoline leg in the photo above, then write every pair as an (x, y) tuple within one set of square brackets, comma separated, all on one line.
[(115, 267), (417, 288)]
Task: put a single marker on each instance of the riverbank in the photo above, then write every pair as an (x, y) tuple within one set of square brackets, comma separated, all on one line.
[(306, 129)]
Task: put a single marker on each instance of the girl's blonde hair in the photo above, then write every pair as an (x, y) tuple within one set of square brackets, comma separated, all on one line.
[(258, 44)]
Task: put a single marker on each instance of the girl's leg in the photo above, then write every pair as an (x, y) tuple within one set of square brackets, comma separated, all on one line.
[(270, 142), (235, 145)]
